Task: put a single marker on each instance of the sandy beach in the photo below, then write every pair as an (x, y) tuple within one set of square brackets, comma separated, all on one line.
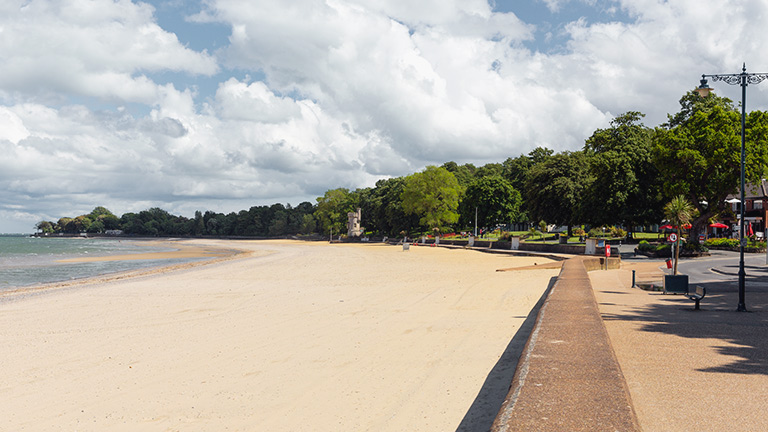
[(293, 336)]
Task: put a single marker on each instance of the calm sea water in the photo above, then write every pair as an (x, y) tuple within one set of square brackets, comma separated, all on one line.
[(26, 261)]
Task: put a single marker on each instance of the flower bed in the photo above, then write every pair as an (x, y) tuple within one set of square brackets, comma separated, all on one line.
[(732, 244)]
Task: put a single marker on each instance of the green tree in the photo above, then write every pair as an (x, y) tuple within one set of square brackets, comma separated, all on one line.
[(110, 222), (496, 201), (46, 227), (464, 174), (98, 212), (63, 224), (626, 188), (433, 194), (679, 212), (308, 224), (199, 224), (554, 188), (543, 226), (385, 210), (332, 209), (516, 172), (698, 153), (96, 227), (130, 223), (279, 225)]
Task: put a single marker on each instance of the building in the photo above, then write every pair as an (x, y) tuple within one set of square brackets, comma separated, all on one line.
[(755, 208), (353, 223)]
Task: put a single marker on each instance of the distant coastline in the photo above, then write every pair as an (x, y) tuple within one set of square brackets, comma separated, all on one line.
[(33, 264)]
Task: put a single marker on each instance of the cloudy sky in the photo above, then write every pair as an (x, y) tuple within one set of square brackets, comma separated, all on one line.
[(225, 104)]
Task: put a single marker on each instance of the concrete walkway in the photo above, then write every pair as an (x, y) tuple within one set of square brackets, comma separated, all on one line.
[(606, 356), (568, 378), (689, 370)]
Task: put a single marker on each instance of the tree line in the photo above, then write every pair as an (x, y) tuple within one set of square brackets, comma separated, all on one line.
[(623, 176), (258, 221)]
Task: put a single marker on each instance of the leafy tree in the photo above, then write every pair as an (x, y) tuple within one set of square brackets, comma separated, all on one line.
[(46, 227), (279, 224), (626, 189), (698, 153), (554, 188), (308, 224), (98, 212), (63, 224), (130, 223), (96, 227), (385, 211), (679, 212), (489, 170), (199, 224), (516, 172), (433, 194), (110, 222), (494, 198), (464, 174), (332, 209)]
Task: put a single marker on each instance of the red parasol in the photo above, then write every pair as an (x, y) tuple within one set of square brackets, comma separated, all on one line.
[(718, 225), (667, 227)]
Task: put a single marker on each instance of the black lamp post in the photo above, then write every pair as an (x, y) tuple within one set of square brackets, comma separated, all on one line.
[(743, 79)]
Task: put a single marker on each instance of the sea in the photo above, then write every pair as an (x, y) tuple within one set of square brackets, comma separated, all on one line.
[(27, 261)]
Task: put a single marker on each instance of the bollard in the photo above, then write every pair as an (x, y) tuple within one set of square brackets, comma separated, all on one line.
[(633, 279)]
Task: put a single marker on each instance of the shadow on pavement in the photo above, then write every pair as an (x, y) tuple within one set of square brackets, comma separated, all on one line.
[(717, 319)]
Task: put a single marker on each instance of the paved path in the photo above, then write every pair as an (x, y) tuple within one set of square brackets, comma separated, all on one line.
[(690, 370), (642, 360)]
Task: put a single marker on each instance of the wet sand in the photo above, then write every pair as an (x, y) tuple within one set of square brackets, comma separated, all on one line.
[(182, 250), (292, 336)]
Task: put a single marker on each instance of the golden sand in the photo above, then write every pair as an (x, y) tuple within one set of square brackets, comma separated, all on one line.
[(292, 336)]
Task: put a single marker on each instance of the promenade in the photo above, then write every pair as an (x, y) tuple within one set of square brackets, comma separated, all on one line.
[(678, 369)]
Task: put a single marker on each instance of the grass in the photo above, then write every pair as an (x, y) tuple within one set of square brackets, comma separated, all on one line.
[(649, 236)]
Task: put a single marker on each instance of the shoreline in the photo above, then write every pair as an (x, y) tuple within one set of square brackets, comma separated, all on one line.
[(206, 253)]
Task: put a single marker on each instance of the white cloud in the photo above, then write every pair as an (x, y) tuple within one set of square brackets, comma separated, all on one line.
[(554, 5), (428, 79), (353, 91), (96, 48), (236, 100)]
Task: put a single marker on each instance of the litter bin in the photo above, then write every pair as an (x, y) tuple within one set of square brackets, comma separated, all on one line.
[(669, 263)]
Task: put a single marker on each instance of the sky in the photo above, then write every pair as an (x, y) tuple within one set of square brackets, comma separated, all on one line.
[(225, 104)]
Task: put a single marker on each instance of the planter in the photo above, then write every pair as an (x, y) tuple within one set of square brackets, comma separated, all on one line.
[(675, 284)]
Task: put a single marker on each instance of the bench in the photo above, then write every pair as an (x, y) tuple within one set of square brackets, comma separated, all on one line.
[(696, 295)]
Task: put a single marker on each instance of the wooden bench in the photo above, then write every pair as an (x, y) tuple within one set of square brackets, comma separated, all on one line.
[(696, 295)]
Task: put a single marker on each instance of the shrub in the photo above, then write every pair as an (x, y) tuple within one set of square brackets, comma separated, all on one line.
[(618, 232), (722, 242), (597, 233), (645, 246), (694, 247)]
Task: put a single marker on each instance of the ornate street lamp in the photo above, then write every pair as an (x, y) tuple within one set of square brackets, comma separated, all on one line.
[(743, 79)]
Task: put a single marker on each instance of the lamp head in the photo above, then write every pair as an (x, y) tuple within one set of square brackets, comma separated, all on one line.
[(703, 90)]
